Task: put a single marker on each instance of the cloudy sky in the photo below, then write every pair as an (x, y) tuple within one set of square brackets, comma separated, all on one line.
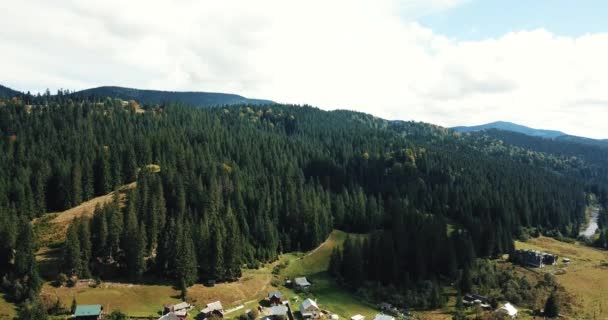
[(541, 63)]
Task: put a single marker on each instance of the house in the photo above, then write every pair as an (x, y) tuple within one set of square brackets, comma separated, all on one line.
[(309, 309), (180, 310), (475, 299), (381, 316), (275, 298), (509, 310), (213, 309), (88, 312), (302, 283), (169, 316), (278, 312), (357, 317), (533, 258)]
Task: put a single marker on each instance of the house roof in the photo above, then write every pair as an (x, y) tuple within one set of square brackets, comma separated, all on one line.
[(302, 282), (357, 317), (275, 294), (509, 308), (382, 316), (169, 316), (308, 303), (181, 305), (279, 310), (213, 306), (87, 310)]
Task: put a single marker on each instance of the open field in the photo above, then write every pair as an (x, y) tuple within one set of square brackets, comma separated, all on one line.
[(586, 278), (139, 300), (7, 309), (147, 300)]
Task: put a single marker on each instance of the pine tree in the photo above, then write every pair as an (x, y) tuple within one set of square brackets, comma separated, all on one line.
[(186, 266), (232, 248), (86, 251), (134, 242), (71, 251), (552, 306), (25, 260), (76, 192)]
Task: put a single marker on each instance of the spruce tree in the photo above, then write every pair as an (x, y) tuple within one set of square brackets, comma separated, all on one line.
[(552, 306), (71, 251)]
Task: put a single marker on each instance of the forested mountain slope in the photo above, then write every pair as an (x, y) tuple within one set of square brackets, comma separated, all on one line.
[(585, 161), (8, 92), (198, 99), (240, 184)]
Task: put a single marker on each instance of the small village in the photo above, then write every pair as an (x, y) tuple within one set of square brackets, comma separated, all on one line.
[(277, 306), (274, 307), (301, 305)]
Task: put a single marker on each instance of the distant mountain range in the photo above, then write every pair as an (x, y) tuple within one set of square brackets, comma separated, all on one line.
[(509, 126), (198, 99), (540, 133)]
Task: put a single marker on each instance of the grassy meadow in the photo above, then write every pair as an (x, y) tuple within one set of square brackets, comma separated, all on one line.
[(585, 277)]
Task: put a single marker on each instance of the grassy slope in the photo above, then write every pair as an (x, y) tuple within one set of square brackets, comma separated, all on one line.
[(7, 309), (584, 277), (328, 295), (52, 227)]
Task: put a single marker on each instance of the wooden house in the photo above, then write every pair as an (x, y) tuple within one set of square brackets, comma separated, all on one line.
[(275, 298), (213, 309), (301, 283), (309, 309), (88, 312)]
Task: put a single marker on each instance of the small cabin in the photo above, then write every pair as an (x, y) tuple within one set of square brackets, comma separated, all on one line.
[(177, 311), (88, 312), (309, 309), (275, 298), (301, 283), (213, 309), (278, 312)]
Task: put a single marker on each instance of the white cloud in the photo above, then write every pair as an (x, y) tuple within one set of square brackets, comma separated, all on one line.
[(364, 55)]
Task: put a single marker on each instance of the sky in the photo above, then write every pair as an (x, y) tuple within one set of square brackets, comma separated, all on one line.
[(540, 63)]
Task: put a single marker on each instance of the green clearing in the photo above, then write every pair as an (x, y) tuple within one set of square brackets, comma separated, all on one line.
[(328, 295)]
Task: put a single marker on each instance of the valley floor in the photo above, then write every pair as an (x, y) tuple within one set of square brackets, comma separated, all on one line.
[(585, 277)]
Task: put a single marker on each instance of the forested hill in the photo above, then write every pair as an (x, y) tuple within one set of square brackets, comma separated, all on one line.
[(583, 160), (513, 127), (8, 92), (198, 99), (238, 185)]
